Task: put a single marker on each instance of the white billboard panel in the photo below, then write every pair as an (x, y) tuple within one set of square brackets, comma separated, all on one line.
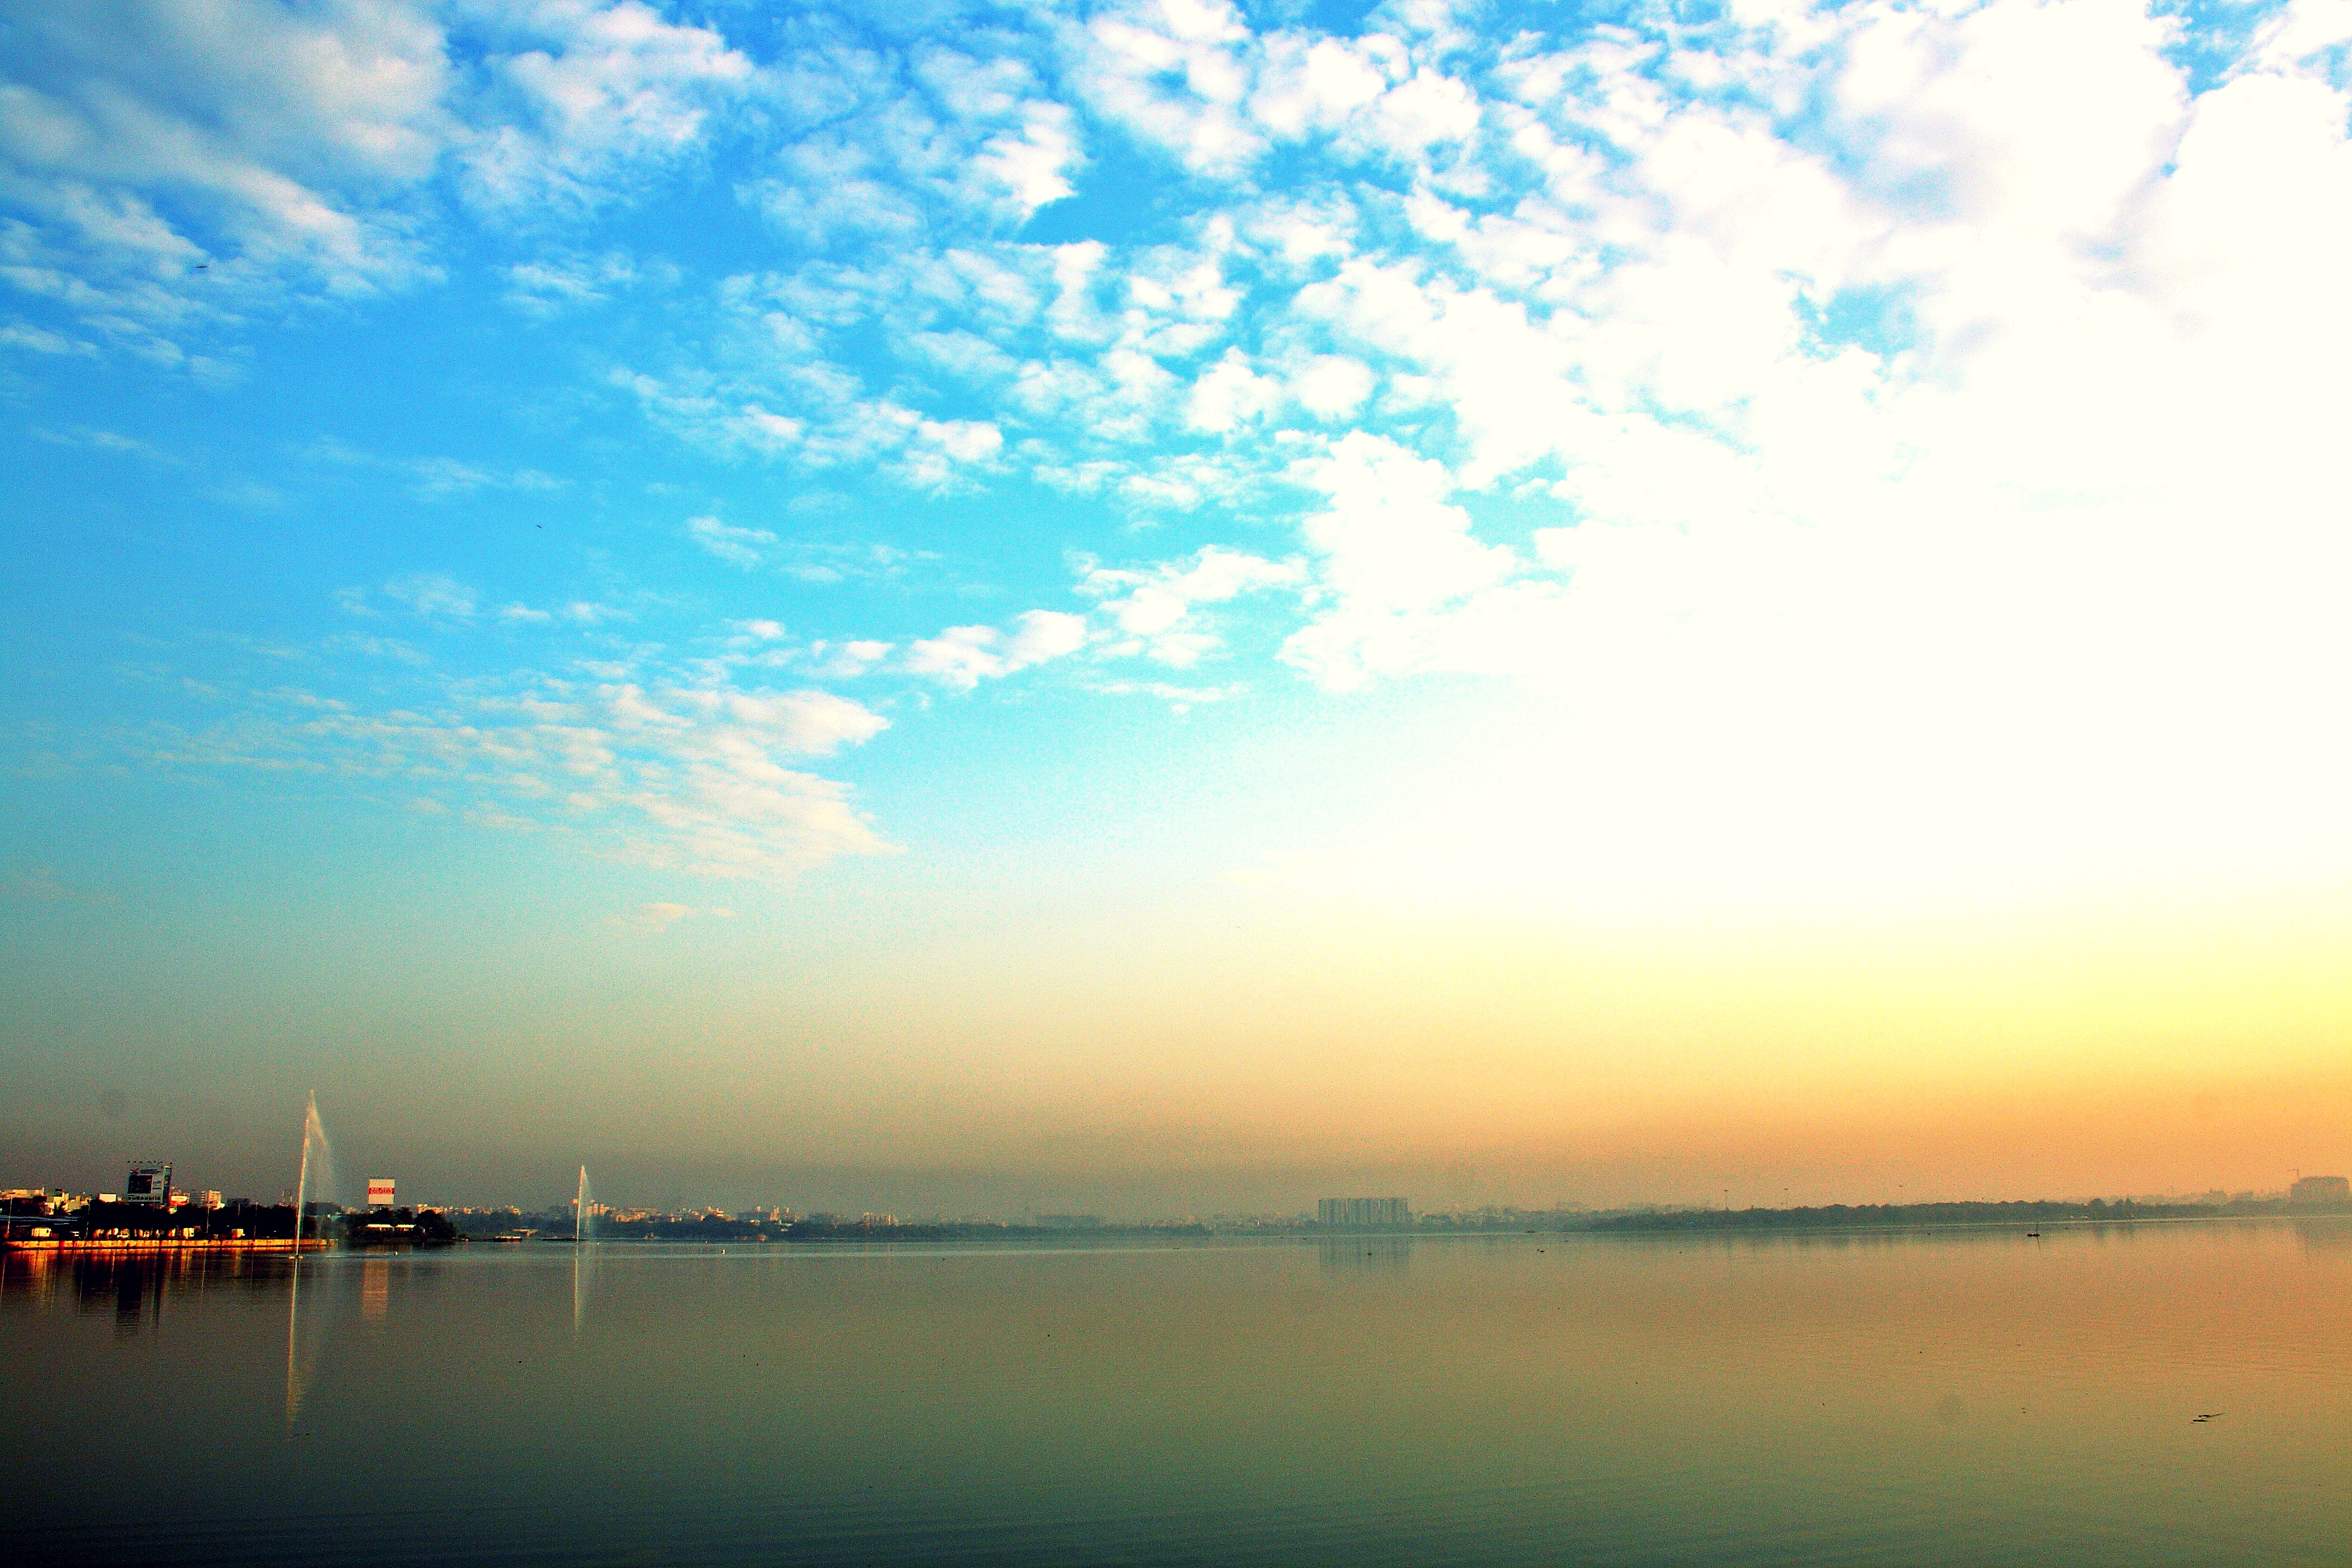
[(380, 1193), (149, 1184)]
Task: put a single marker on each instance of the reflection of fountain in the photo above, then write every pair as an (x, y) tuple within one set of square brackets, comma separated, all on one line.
[(302, 1352), (293, 1320), (584, 1264)]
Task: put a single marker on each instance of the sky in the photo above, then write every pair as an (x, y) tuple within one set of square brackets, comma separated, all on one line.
[(1169, 607)]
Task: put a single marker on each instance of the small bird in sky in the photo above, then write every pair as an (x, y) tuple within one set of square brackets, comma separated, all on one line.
[(204, 266), (2209, 1415)]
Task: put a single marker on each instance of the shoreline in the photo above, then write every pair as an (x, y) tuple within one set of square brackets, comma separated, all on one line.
[(55, 1244), (1063, 1240)]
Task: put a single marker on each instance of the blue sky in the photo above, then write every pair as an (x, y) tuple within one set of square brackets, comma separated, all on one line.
[(801, 541)]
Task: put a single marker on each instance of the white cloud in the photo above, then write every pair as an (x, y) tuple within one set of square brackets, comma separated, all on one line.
[(813, 723), (549, 285), (1180, 698), (375, 647), (40, 340), (961, 657), (1314, 84), (1229, 393), (1332, 387), (578, 613), (436, 478), (844, 660), (440, 477), (591, 98), (964, 656), (1174, 74), (283, 144), (100, 441), (179, 169), (942, 143), (694, 777), (1044, 634), (1913, 330), (940, 448), (1034, 165), (1154, 608), (737, 546), (654, 919), (430, 593), (1392, 553)]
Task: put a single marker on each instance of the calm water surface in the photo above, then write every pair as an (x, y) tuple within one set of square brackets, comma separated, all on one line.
[(1953, 1398)]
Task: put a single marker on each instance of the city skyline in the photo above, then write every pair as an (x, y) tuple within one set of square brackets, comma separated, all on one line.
[(1171, 608), (2308, 1195), (657, 1186)]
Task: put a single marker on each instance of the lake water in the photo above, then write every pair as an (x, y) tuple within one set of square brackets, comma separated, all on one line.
[(1920, 1398)]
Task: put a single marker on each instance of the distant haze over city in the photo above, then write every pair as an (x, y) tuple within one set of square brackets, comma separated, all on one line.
[(1138, 1191)]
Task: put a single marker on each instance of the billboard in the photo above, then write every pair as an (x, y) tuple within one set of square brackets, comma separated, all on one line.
[(148, 1183), (380, 1193)]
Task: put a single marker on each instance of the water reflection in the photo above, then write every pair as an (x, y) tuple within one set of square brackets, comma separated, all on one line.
[(134, 1286), (585, 1260), (2324, 1235), (131, 1299), (306, 1325), (1883, 1400), (1345, 1256)]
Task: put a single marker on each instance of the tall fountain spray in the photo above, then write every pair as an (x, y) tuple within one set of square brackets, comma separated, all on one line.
[(303, 1178), (314, 1140), (579, 1208)]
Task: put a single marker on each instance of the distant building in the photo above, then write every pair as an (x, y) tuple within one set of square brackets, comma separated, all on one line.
[(1361, 1212), (149, 1184), (2321, 1190), (380, 1193)]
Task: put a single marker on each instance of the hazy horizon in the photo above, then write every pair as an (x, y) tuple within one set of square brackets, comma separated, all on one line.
[(1150, 608)]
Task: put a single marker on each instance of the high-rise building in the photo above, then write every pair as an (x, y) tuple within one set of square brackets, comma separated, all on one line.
[(149, 1184), (2321, 1190), (1356, 1213)]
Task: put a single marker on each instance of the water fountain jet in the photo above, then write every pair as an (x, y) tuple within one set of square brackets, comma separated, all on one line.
[(314, 1136)]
